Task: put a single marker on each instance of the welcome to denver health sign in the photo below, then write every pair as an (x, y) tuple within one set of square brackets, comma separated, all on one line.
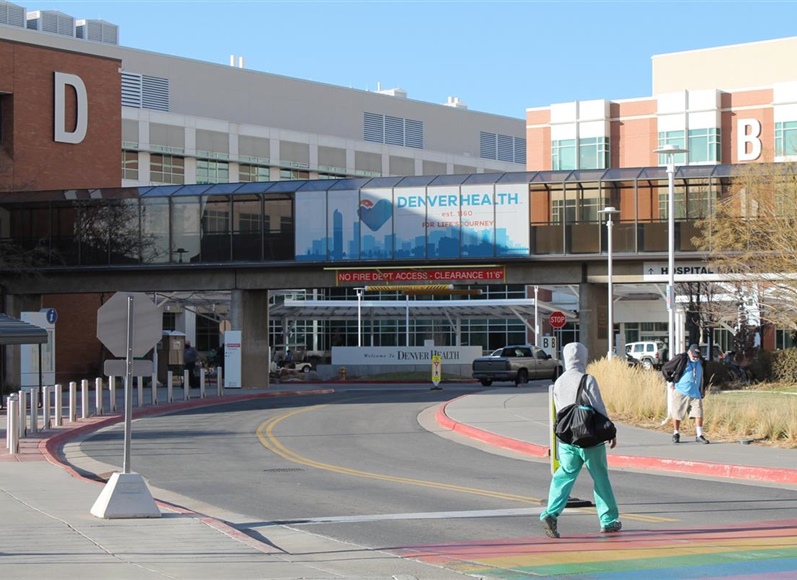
[(403, 355)]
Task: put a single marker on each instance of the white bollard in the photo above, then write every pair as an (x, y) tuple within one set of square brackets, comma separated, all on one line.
[(98, 406), (12, 430), (23, 413), (72, 401), (140, 390), (169, 386), (59, 406), (112, 394), (186, 386), (219, 381), (202, 393), (46, 391), (84, 399), (154, 391), (34, 410)]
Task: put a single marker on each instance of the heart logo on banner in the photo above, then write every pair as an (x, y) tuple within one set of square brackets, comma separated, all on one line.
[(375, 215)]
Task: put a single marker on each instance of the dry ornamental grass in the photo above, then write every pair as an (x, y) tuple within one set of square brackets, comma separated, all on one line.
[(638, 397)]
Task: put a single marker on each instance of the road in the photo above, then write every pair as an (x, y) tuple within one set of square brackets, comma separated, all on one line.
[(358, 466)]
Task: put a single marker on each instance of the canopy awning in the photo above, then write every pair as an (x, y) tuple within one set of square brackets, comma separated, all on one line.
[(422, 309), (15, 331)]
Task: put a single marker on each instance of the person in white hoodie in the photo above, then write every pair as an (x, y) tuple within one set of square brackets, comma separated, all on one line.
[(572, 458)]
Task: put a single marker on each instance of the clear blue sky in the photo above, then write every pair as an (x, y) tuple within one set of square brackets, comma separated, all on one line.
[(497, 56)]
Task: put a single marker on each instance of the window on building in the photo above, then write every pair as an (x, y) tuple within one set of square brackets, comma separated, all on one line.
[(704, 146), (167, 169), (676, 138), (691, 202), (216, 221), (786, 139), (587, 153), (563, 154), (291, 174), (593, 153), (208, 171), (248, 173), (130, 165), (3, 111)]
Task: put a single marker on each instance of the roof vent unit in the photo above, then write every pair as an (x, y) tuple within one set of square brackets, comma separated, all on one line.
[(51, 21), (400, 93), (456, 103), (97, 31), (11, 14)]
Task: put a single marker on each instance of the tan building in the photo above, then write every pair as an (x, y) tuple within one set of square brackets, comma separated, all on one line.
[(733, 104)]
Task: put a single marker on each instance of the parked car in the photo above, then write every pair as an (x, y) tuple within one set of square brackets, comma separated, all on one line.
[(518, 363), (651, 353), (716, 352)]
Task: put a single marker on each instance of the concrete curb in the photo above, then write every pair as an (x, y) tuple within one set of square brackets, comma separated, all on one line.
[(740, 472)]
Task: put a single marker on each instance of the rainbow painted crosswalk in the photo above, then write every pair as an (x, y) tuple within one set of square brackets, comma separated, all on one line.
[(743, 552)]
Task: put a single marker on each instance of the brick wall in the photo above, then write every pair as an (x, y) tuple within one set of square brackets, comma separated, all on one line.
[(30, 159)]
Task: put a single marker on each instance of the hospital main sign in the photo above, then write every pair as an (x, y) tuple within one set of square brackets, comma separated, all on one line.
[(684, 272)]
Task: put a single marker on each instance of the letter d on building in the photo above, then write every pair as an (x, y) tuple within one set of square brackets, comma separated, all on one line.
[(81, 113)]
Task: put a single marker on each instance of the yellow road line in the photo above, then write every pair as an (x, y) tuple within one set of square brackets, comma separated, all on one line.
[(265, 433)]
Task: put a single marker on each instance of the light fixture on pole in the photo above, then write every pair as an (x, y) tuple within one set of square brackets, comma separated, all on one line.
[(610, 211), (671, 151)]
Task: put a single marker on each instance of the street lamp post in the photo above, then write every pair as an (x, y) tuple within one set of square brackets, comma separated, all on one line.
[(359, 315), (536, 317), (610, 211), (671, 151)]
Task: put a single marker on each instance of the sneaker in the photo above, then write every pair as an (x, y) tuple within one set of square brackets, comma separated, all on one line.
[(549, 526), (676, 437), (613, 527), (702, 440)]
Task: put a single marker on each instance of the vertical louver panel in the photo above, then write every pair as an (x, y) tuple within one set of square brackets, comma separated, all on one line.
[(487, 145), (413, 136), (520, 150), (155, 93), (394, 130), (373, 127), (505, 148), (57, 23), (131, 90), (12, 14)]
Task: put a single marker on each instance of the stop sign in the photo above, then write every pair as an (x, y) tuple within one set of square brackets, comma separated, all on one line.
[(557, 319), (112, 324)]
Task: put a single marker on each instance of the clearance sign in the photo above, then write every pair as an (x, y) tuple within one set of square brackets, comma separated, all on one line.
[(493, 274)]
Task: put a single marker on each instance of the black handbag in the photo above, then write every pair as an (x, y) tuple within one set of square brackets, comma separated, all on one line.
[(581, 425)]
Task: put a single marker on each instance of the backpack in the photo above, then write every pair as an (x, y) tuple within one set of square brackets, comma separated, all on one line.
[(581, 425)]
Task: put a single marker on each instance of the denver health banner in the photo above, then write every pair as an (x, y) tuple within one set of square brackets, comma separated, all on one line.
[(413, 222), (403, 355)]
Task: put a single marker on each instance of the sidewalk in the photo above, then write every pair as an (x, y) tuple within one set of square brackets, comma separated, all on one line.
[(517, 419), (47, 530)]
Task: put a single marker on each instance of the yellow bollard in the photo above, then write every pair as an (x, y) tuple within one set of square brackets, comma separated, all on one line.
[(342, 373)]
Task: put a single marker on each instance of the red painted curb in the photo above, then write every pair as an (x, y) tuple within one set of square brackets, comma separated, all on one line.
[(743, 472), (486, 436)]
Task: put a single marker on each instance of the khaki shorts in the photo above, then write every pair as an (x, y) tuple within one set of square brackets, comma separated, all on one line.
[(680, 404)]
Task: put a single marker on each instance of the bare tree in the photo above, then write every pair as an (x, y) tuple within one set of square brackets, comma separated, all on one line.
[(751, 237)]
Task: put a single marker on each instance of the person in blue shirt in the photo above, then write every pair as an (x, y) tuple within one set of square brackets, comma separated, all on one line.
[(685, 375)]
